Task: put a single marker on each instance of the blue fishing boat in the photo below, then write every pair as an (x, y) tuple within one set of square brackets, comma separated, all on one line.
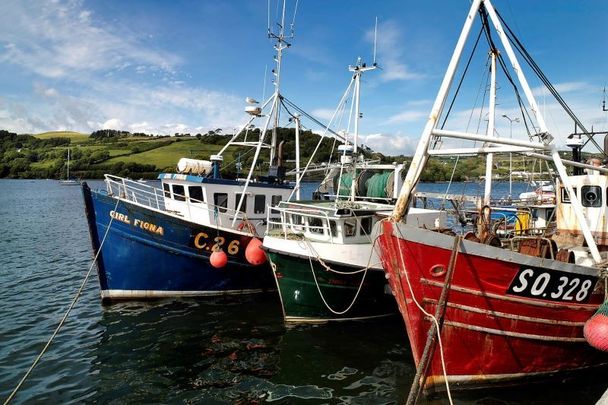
[(196, 235), (156, 242)]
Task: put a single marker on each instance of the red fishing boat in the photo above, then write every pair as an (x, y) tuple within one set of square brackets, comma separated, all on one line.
[(481, 310)]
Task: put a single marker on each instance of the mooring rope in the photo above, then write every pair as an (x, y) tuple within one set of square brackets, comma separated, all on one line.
[(432, 317), (65, 316), (312, 270)]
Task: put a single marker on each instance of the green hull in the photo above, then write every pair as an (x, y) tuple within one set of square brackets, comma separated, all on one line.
[(327, 295)]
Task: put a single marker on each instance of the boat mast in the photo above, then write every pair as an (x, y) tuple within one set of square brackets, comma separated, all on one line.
[(279, 46), (544, 138), (296, 118), (273, 115), (68, 165), (421, 156), (491, 117), (358, 70)]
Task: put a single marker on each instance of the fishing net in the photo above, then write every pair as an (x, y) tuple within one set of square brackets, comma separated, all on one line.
[(376, 185)]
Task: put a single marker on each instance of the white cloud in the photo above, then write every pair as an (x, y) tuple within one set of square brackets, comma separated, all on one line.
[(60, 38), (391, 54), (113, 123), (323, 113), (566, 87), (408, 116), (391, 144)]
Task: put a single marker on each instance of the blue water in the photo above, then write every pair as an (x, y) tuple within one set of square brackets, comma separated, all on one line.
[(175, 351)]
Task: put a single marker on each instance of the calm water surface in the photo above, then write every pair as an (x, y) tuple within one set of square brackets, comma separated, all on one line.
[(195, 351)]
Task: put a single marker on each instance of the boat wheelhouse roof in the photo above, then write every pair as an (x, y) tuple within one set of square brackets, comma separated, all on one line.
[(235, 182)]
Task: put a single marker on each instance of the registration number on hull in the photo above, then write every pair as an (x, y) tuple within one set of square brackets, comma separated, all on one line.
[(552, 285)]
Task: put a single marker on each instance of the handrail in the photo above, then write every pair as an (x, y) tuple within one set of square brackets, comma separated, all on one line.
[(154, 197)]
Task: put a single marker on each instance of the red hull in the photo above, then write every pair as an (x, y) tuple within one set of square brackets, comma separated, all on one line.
[(490, 335)]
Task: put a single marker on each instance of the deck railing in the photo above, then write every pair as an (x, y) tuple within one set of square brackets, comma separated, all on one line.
[(154, 197), (135, 191), (293, 220)]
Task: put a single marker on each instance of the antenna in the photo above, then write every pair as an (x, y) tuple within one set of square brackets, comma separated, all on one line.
[(375, 40), (293, 21), (604, 101)]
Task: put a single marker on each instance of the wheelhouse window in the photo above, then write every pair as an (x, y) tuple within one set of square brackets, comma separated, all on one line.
[(315, 225), (565, 196), (243, 205), (276, 199), (333, 228), (220, 200), (591, 196), (196, 194), (167, 189), (178, 192), (350, 228), (259, 204), (366, 226)]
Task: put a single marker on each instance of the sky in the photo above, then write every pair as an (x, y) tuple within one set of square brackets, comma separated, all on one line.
[(182, 66)]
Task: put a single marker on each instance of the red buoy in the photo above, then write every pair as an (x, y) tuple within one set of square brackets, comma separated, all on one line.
[(218, 259), (596, 331), (254, 253)]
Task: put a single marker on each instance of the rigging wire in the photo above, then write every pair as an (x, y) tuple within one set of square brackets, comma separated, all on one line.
[(536, 69)]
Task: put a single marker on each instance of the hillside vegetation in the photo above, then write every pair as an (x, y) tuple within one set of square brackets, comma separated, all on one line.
[(143, 156)]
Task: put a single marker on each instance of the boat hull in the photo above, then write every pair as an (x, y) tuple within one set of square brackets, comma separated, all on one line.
[(492, 332), (150, 254), (312, 294)]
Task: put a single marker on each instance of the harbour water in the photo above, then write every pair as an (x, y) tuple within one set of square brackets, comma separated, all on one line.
[(189, 350)]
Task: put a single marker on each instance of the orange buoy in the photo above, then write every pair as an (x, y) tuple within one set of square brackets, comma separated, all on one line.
[(596, 328), (254, 253), (218, 259)]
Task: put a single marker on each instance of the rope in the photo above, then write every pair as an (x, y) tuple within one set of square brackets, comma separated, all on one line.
[(65, 316), (432, 317), (312, 270)]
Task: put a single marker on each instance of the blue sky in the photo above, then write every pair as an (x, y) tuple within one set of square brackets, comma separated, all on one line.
[(187, 66)]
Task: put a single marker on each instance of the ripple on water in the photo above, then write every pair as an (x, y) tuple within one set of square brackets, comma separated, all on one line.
[(175, 351)]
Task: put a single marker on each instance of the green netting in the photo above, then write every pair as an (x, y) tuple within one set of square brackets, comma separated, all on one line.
[(346, 183), (376, 185), (603, 309)]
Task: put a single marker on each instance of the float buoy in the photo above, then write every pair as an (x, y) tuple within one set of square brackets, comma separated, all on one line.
[(596, 329), (218, 259), (254, 253)]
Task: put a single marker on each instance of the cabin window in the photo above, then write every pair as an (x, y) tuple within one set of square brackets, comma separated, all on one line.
[(565, 197), (366, 226), (178, 192), (167, 189), (243, 205), (350, 228), (276, 199), (333, 228), (196, 193), (315, 225), (259, 204), (297, 221), (221, 201), (591, 196)]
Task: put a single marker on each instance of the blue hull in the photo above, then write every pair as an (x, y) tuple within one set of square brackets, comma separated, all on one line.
[(148, 254)]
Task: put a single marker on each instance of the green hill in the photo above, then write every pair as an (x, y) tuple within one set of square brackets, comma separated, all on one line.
[(74, 137)]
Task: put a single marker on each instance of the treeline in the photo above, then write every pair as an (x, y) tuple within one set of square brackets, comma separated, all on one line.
[(25, 156)]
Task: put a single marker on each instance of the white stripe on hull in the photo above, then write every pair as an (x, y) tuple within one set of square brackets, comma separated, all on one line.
[(140, 294)]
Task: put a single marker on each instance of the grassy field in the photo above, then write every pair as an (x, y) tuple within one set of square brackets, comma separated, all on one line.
[(76, 137), (167, 156), (164, 155)]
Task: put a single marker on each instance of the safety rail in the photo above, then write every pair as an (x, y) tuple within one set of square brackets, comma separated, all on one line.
[(154, 197), (135, 191), (286, 227)]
